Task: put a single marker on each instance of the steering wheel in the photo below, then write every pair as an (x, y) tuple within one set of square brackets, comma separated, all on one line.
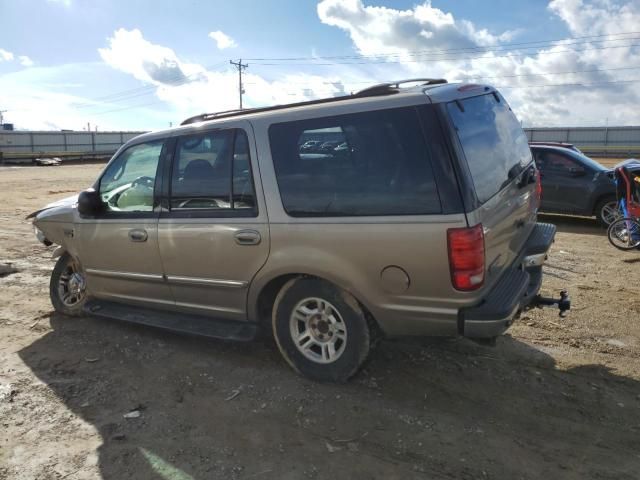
[(143, 181), (212, 203)]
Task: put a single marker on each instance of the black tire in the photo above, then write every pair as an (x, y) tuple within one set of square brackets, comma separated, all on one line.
[(600, 210), (624, 234), (64, 266), (344, 307)]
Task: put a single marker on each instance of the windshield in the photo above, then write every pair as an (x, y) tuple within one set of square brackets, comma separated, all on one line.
[(494, 144)]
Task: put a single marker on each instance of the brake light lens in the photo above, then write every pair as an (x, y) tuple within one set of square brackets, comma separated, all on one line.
[(466, 257), (538, 189)]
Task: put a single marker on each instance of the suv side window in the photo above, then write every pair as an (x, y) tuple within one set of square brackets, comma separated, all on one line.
[(212, 171), (557, 163), (128, 182), (370, 163)]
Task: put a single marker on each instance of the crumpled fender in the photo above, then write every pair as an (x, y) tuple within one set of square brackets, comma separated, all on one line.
[(65, 202), (58, 252)]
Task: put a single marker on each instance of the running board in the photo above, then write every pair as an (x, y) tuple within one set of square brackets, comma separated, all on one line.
[(173, 321)]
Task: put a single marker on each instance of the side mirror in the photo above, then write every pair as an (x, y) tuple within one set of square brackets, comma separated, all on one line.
[(89, 203), (576, 171)]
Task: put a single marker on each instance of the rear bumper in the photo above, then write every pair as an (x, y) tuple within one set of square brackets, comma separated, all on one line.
[(515, 290)]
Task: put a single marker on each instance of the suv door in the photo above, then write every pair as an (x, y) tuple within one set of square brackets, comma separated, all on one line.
[(565, 182), (119, 247), (213, 231)]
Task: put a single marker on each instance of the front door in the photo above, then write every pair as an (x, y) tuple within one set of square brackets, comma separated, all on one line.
[(119, 248), (213, 232)]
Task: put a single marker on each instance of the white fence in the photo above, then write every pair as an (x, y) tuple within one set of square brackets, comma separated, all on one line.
[(16, 145), (601, 141)]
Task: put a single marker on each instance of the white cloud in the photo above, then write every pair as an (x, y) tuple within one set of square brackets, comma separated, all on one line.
[(191, 88), (182, 88), (396, 35), (5, 56), (25, 61), (222, 40), (383, 30)]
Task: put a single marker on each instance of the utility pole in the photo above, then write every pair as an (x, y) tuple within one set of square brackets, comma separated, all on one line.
[(1, 117), (240, 66)]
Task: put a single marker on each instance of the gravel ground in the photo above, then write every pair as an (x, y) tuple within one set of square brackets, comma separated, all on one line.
[(555, 398)]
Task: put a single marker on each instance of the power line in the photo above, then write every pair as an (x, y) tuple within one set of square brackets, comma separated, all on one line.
[(543, 74), (175, 80), (480, 49), (595, 84), (453, 59)]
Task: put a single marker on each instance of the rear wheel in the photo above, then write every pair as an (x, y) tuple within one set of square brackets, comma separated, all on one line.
[(320, 330), (624, 234), (607, 211), (67, 287)]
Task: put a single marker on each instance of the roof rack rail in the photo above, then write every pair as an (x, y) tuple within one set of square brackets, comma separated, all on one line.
[(381, 89), (393, 87), (210, 116)]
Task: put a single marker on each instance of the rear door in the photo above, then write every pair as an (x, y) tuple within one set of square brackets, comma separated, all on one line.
[(498, 162), (213, 232)]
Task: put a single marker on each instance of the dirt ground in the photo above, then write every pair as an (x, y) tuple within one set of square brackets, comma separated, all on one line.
[(555, 398)]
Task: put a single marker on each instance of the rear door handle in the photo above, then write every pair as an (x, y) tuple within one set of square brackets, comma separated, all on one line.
[(247, 237), (138, 235)]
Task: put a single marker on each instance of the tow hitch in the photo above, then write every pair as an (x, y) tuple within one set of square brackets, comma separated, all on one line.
[(563, 303)]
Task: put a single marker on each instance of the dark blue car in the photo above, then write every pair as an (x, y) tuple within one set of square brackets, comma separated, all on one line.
[(574, 184)]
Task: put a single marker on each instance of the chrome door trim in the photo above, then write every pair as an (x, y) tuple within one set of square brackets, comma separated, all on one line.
[(208, 282), (125, 275)]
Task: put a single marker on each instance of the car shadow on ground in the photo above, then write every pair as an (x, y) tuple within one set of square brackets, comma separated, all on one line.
[(567, 224), (419, 409)]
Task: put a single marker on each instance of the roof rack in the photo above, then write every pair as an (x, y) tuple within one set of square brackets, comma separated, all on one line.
[(394, 87), (381, 89)]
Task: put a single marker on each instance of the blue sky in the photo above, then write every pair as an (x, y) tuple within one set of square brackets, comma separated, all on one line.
[(143, 64)]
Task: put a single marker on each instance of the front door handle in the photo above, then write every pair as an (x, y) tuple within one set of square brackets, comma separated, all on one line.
[(138, 235), (247, 237)]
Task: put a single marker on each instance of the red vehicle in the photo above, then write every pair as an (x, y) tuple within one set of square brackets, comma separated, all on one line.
[(624, 233)]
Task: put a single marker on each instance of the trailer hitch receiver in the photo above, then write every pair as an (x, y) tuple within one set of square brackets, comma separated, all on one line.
[(563, 303)]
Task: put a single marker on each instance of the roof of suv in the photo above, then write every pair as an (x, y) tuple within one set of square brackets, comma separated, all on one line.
[(436, 91)]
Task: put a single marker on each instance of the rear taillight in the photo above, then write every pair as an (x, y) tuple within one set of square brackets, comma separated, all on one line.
[(538, 189), (466, 257)]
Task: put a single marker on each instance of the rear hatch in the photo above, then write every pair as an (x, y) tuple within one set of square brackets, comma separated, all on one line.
[(496, 163)]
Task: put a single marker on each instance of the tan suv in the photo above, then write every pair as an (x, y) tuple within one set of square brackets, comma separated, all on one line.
[(416, 217)]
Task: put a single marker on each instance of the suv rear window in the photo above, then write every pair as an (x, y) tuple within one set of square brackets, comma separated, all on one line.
[(370, 163), (494, 144)]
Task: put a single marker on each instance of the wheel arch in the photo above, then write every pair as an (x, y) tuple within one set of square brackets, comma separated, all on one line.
[(262, 295), (600, 198)]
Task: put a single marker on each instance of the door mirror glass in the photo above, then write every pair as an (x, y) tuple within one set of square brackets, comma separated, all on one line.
[(89, 203)]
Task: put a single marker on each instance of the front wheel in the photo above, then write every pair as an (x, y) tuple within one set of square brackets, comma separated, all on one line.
[(320, 330), (624, 234), (67, 287), (607, 211)]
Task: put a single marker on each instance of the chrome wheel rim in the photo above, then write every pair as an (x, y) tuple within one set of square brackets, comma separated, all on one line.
[(625, 233), (610, 212), (72, 285), (318, 330)]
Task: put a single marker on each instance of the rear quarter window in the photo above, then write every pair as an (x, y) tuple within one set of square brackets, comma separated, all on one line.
[(363, 164), (495, 146)]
